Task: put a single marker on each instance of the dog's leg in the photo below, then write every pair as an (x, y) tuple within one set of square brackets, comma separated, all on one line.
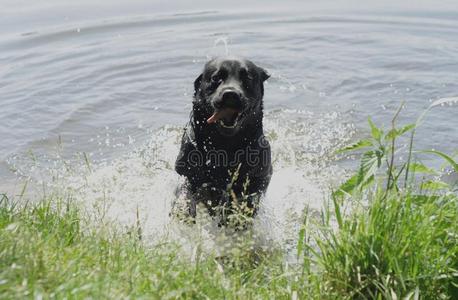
[(192, 206)]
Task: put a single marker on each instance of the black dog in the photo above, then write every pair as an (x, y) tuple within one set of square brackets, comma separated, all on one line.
[(224, 154)]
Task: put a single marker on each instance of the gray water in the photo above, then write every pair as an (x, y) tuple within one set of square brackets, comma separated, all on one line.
[(93, 96)]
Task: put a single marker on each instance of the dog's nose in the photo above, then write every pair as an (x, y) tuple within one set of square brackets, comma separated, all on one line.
[(229, 96), (231, 99)]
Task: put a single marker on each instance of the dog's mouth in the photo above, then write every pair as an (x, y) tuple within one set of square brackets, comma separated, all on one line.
[(226, 117)]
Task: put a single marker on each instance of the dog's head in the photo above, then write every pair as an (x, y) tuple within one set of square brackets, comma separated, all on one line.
[(228, 94)]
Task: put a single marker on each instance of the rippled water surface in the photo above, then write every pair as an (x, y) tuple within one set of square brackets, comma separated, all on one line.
[(93, 96)]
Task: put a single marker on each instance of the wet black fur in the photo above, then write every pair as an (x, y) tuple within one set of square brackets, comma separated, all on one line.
[(214, 182)]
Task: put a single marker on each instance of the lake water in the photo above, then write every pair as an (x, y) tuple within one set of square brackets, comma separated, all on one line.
[(93, 95)]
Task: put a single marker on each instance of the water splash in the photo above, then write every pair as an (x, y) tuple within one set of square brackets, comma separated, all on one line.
[(140, 186), (222, 40)]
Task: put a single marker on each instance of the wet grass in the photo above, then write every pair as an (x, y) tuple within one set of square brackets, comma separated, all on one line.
[(395, 247), (390, 232), (47, 251)]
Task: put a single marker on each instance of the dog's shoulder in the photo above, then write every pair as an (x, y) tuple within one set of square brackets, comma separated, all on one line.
[(188, 145)]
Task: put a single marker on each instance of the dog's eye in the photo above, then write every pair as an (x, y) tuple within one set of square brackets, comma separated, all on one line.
[(216, 78), (245, 75)]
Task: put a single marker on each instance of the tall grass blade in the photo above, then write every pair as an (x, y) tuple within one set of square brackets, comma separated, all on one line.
[(450, 160)]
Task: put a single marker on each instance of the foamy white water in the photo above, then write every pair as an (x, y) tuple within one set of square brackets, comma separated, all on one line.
[(139, 187)]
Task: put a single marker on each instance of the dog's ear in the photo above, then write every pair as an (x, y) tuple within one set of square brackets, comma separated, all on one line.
[(197, 84), (263, 74)]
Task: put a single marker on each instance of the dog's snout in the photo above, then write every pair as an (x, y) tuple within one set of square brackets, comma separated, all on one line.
[(229, 99), (231, 96)]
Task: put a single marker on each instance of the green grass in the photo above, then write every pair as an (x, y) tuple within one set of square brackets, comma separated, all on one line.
[(45, 251), (391, 232), (396, 245)]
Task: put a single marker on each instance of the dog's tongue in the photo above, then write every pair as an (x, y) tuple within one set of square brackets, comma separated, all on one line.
[(219, 114)]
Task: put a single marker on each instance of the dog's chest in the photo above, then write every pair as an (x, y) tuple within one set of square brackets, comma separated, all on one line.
[(227, 161)]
